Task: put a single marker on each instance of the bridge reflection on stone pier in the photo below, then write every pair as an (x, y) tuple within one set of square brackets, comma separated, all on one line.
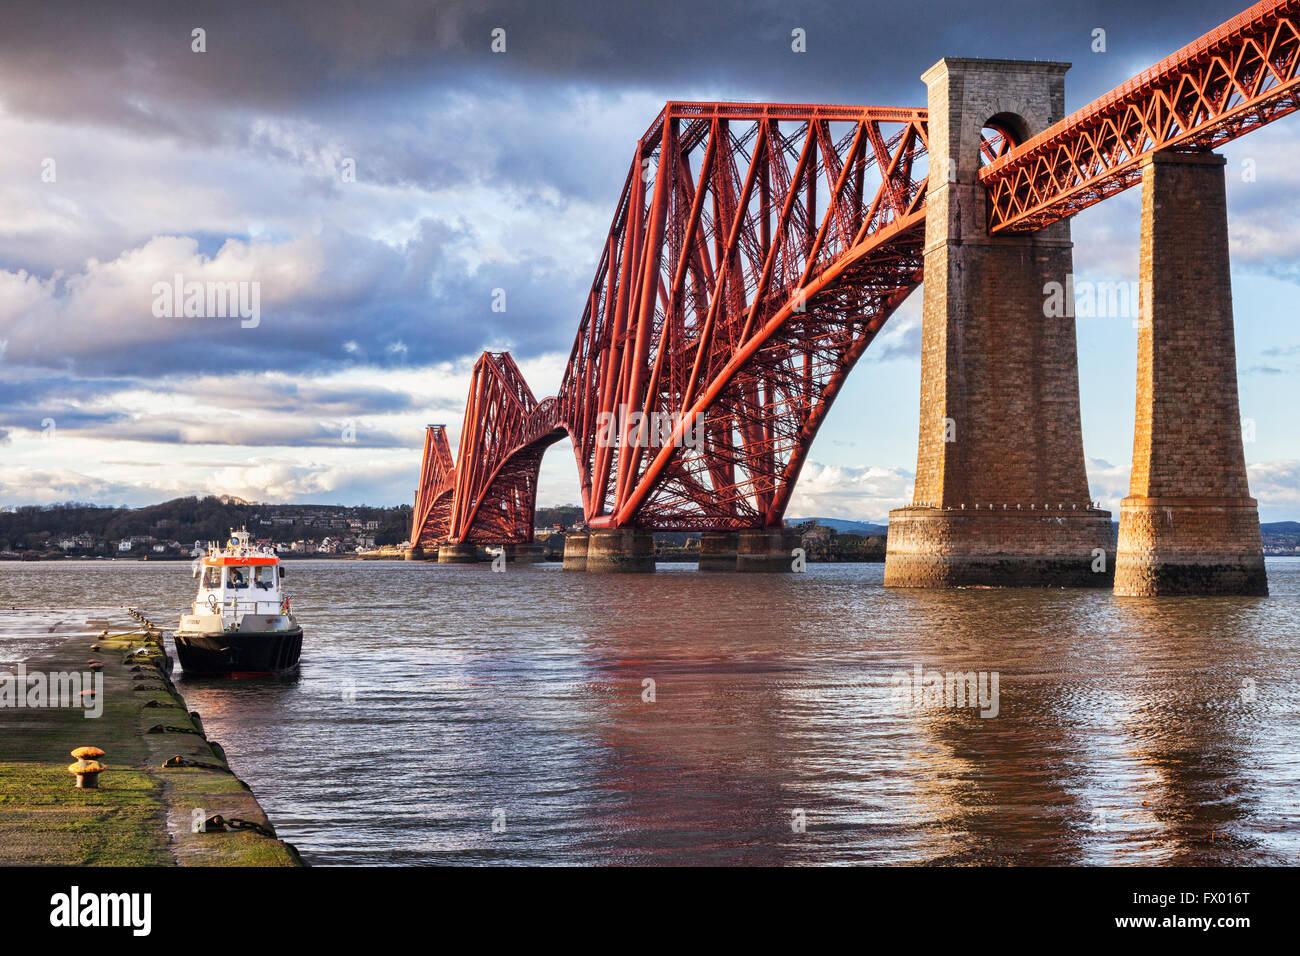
[(757, 249)]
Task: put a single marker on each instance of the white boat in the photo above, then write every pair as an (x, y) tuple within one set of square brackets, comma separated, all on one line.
[(241, 623)]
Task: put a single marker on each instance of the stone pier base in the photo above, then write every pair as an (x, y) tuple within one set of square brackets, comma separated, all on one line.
[(531, 553), (620, 550), (766, 550), (1189, 546), (718, 550), (575, 551), (944, 548), (459, 553), (416, 554)]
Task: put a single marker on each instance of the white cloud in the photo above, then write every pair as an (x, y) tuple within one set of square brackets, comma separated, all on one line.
[(1276, 486), (258, 479), (1108, 484), (858, 494)]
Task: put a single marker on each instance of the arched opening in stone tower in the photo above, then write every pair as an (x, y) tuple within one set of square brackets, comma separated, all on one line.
[(1002, 132)]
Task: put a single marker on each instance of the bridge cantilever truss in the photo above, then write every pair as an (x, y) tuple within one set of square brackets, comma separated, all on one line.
[(755, 252), (431, 520)]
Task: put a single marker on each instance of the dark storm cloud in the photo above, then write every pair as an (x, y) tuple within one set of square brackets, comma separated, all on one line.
[(132, 63), (22, 398), (239, 410), (412, 91), (28, 391), (327, 301), (295, 397), (27, 401), (259, 432)]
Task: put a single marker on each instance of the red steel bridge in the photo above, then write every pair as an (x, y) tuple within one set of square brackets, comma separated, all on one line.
[(755, 252)]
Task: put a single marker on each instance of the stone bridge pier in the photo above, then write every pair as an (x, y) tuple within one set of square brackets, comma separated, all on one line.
[(1188, 525), (1001, 495)]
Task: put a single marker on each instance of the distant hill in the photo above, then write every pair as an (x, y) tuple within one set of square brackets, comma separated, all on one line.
[(843, 525), (187, 520), (1281, 537)]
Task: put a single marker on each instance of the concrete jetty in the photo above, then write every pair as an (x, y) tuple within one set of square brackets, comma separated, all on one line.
[(106, 683)]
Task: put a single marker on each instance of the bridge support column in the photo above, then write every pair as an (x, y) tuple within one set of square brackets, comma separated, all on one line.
[(530, 553), (766, 549), (1001, 494), (1189, 525), (575, 551), (620, 550), (416, 553), (460, 552), (718, 550)]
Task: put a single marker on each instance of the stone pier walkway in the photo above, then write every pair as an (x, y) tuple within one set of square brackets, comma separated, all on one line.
[(163, 773)]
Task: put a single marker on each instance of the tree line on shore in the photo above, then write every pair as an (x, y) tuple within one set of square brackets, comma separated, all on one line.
[(192, 519)]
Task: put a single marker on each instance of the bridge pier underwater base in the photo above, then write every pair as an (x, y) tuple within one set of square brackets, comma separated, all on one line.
[(766, 550), (1188, 525), (575, 551), (528, 553), (1001, 494), (459, 552), (718, 550), (620, 551)]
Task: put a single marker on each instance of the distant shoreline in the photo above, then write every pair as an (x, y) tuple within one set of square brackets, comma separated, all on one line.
[(178, 559), (660, 559)]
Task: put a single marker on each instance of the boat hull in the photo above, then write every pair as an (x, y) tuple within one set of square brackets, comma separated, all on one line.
[(239, 653)]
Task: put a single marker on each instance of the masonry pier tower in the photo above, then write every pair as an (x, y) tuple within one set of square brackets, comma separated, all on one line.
[(1001, 493), (1189, 525)]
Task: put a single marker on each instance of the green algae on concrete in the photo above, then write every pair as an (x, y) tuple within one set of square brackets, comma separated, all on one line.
[(142, 813)]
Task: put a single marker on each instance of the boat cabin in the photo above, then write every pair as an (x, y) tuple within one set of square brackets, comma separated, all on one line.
[(239, 579)]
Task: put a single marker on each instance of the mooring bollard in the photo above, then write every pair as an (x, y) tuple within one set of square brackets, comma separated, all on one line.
[(87, 768)]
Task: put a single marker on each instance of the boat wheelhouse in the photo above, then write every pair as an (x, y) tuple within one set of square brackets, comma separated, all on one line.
[(241, 623)]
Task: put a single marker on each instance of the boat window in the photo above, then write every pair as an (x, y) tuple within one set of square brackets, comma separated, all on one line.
[(211, 578), (238, 579), (266, 577)]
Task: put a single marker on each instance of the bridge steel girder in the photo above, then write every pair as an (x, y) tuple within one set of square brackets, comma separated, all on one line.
[(431, 516), (1236, 78), (742, 276), (505, 432)]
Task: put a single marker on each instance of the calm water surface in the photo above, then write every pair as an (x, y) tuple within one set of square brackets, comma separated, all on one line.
[(432, 698)]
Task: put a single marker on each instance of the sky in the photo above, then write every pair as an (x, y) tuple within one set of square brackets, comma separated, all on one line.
[(378, 170)]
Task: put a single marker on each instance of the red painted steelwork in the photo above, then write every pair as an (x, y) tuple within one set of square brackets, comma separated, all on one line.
[(743, 275), (431, 519), (1236, 78), (506, 431)]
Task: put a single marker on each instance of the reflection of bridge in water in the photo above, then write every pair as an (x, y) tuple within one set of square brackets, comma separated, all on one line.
[(756, 251)]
